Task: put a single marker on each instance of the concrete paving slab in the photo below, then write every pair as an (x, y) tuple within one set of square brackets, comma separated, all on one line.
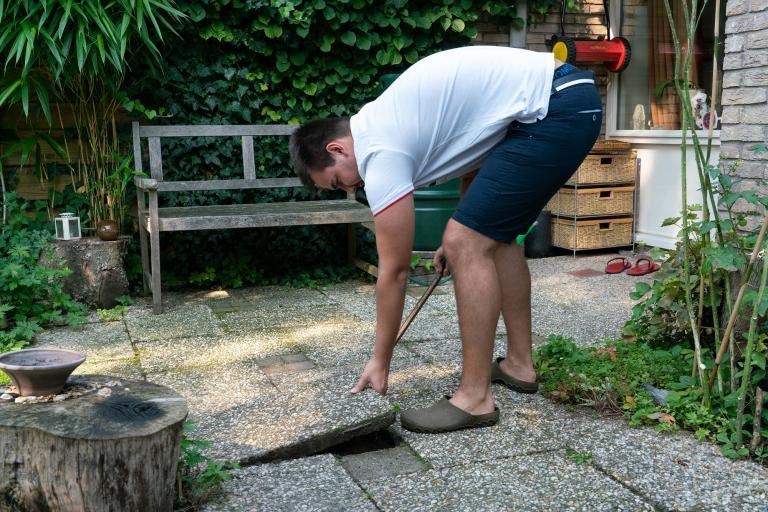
[(449, 350), (585, 309), (220, 298), (98, 341), (283, 295), (331, 344), (673, 471), (128, 368), (249, 420), (177, 321), (545, 481), (254, 317), (161, 355), (383, 464), (526, 425), (361, 302), (316, 483)]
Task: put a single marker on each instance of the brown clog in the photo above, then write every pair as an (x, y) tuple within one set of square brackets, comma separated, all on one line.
[(521, 386), (443, 416)]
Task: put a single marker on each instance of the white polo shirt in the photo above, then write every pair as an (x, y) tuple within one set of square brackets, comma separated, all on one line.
[(443, 116)]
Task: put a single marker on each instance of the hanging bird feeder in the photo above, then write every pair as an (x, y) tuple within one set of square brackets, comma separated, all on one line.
[(614, 53)]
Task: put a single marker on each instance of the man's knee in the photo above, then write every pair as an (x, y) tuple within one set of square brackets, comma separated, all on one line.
[(461, 242)]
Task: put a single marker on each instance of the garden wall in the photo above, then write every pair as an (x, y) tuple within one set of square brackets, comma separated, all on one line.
[(745, 91)]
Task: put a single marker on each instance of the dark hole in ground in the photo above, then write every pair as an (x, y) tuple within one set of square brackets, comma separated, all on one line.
[(372, 442)]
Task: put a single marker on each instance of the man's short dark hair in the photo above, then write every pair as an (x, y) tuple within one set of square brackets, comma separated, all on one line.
[(307, 146)]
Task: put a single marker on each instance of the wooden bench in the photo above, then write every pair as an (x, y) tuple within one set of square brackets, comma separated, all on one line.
[(153, 219)]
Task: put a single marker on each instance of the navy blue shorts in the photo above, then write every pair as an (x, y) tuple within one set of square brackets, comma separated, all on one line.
[(533, 161)]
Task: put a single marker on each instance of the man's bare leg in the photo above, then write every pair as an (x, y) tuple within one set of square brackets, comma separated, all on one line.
[(470, 257), (515, 282)]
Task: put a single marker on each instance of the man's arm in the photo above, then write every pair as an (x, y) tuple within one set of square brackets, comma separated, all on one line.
[(394, 242)]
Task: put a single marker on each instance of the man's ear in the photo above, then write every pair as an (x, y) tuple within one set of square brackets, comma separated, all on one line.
[(335, 147)]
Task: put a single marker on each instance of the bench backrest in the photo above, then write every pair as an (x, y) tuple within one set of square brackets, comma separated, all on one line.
[(246, 132)]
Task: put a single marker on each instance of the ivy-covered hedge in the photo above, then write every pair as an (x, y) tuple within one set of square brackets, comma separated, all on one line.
[(280, 61)]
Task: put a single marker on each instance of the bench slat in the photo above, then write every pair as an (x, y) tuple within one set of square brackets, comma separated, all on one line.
[(216, 130), (249, 165), (298, 213), (189, 186)]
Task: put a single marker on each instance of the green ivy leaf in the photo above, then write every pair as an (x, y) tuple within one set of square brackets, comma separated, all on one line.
[(348, 38), (273, 31), (364, 42), (458, 25), (325, 46), (310, 89), (382, 57)]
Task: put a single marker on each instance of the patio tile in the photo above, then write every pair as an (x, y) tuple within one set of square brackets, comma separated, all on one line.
[(316, 483), (255, 317), (181, 321), (525, 426), (383, 464), (98, 341), (546, 481), (674, 471), (128, 368), (208, 352)]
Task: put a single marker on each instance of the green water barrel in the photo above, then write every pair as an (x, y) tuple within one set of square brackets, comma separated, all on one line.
[(434, 206)]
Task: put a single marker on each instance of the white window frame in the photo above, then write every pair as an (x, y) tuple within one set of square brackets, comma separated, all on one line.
[(612, 104)]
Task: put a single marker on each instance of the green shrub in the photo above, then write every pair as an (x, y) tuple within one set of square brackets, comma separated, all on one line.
[(613, 378), (30, 295)]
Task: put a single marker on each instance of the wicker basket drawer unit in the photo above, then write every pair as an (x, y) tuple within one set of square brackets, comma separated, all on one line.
[(593, 201), (605, 170), (592, 233)]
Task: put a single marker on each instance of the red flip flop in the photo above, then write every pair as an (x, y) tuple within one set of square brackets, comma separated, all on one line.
[(617, 266), (643, 266)]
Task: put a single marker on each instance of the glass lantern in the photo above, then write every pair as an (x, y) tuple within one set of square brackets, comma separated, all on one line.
[(67, 226)]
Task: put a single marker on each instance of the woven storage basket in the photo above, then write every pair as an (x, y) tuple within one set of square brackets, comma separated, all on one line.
[(611, 147), (604, 170), (592, 201), (592, 234)]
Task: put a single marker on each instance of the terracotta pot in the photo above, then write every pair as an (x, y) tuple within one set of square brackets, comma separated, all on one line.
[(107, 230), (39, 371)]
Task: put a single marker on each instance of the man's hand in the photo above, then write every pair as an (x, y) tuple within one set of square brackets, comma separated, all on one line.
[(375, 375), (440, 263)]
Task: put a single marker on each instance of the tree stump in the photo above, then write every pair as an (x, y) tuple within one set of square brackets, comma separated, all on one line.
[(115, 448), (98, 276)]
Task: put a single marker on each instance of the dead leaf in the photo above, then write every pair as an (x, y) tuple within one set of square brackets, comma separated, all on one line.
[(559, 394), (630, 399), (610, 350)]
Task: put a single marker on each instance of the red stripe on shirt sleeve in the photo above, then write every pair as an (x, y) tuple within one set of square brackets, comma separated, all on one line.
[(394, 202)]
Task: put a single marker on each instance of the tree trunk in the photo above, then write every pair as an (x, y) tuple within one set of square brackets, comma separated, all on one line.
[(115, 448)]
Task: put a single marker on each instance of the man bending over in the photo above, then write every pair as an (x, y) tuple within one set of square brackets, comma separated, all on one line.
[(527, 122)]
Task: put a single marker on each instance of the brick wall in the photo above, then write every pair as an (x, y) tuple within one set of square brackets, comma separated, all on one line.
[(745, 89)]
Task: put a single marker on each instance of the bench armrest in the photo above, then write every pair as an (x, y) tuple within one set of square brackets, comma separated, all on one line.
[(145, 183)]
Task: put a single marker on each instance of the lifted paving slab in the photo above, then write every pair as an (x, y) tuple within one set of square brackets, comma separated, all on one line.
[(249, 420), (310, 484)]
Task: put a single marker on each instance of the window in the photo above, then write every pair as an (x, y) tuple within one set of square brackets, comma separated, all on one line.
[(645, 97)]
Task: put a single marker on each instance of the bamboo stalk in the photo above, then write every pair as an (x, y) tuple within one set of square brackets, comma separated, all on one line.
[(757, 439), (746, 378), (739, 297)]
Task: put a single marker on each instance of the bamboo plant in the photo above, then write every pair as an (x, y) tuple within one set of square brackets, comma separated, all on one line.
[(77, 53), (724, 251)]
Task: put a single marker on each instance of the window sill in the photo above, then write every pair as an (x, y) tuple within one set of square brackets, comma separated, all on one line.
[(669, 137)]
